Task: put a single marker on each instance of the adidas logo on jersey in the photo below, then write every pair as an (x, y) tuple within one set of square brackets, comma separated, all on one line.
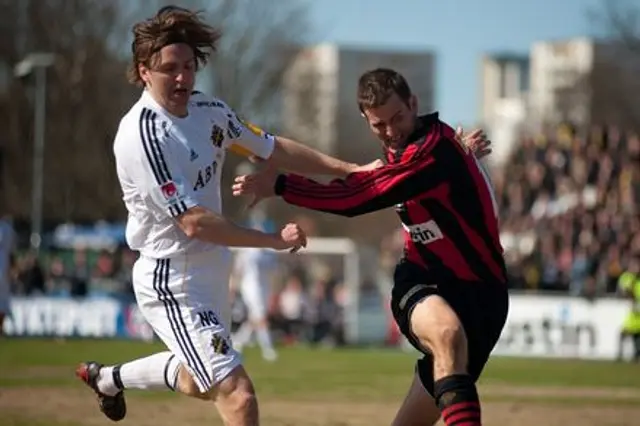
[(194, 155)]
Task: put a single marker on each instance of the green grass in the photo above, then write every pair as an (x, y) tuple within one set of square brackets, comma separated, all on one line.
[(302, 372)]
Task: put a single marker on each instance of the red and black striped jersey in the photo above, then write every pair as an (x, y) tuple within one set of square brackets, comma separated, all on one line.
[(439, 190)]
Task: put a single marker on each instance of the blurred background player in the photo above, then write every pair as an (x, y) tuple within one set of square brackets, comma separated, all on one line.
[(252, 275), (629, 287), (7, 241)]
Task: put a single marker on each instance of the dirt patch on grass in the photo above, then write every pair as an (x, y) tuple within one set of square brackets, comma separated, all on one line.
[(78, 406), (510, 391)]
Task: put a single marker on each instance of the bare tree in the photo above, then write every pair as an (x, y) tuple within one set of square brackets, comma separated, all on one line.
[(88, 92), (85, 95), (620, 20), (611, 88)]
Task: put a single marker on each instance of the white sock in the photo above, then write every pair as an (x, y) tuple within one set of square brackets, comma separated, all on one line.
[(264, 339), (243, 335), (156, 372)]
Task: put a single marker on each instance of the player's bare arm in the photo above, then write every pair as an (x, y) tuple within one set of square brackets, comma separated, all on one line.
[(296, 157), (205, 225), (282, 152)]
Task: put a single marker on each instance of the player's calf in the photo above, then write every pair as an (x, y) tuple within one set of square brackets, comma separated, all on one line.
[(439, 330)]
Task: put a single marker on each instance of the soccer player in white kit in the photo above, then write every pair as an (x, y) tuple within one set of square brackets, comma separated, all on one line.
[(169, 151)]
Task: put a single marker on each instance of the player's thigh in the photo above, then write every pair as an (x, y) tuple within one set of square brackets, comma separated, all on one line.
[(418, 408), (436, 324), (183, 306), (421, 309)]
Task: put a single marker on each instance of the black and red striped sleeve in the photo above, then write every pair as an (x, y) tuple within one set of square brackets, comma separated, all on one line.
[(364, 192)]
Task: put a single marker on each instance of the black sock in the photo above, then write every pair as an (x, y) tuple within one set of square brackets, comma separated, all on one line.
[(117, 380), (457, 399)]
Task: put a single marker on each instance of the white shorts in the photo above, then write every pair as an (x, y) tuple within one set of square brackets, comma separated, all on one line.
[(186, 302), (5, 297), (254, 295)]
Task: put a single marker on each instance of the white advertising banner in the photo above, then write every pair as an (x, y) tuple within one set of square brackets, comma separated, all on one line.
[(42, 316), (565, 327)]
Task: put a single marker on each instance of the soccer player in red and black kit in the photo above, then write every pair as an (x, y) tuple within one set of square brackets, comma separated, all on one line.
[(450, 288)]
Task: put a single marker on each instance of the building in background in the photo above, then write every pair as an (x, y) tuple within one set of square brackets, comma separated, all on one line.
[(583, 81), (557, 67), (578, 81), (319, 98), (504, 82)]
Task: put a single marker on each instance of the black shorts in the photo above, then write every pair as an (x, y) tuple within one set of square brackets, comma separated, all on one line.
[(481, 307)]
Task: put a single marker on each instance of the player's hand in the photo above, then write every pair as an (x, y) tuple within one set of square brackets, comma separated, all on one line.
[(259, 185), (291, 237), (476, 141), (368, 167)]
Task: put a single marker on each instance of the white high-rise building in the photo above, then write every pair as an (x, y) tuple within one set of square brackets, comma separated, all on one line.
[(582, 80), (556, 67), (319, 98), (504, 81)]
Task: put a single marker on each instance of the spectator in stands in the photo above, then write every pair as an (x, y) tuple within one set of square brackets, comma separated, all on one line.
[(320, 310), (292, 304), (31, 278), (58, 282), (79, 273)]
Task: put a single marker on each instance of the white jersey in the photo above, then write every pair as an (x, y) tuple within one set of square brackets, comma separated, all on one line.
[(167, 164)]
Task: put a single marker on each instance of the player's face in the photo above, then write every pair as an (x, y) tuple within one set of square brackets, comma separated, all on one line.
[(171, 77), (394, 121)]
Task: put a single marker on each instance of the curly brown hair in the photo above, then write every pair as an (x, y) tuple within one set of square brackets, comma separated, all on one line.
[(171, 24), (375, 87)]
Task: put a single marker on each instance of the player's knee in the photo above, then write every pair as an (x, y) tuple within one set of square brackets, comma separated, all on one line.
[(236, 396), (242, 401), (449, 336), (440, 331)]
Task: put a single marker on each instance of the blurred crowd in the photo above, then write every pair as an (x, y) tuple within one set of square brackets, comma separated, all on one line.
[(73, 273), (569, 210)]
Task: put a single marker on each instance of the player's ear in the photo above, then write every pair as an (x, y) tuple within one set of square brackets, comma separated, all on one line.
[(413, 104), (143, 71)]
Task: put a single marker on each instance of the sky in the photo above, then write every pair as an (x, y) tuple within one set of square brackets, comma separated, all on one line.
[(458, 31)]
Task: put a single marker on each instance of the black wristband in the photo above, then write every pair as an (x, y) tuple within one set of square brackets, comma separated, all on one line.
[(280, 184)]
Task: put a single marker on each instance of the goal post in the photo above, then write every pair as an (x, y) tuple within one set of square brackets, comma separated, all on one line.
[(351, 276)]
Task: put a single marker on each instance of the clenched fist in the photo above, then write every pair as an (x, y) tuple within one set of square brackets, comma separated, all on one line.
[(292, 237)]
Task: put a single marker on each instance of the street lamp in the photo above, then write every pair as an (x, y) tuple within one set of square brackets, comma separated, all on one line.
[(37, 63)]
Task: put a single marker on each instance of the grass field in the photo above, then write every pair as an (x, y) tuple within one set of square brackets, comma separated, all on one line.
[(314, 387)]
